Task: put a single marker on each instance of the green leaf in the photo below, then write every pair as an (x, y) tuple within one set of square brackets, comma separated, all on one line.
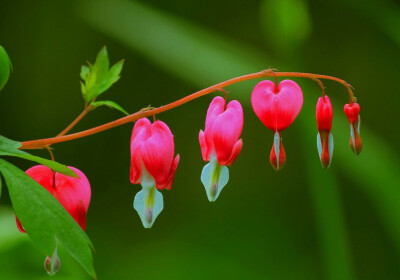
[(10, 147), (116, 69), (110, 104), (0, 186), (5, 67), (45, 219), (84, 72), (102, 63), (98, 77)]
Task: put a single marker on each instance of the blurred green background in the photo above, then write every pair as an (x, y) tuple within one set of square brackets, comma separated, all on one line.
[(301, 223)]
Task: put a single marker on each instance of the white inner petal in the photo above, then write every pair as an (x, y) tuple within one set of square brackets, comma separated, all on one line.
[(352, 136), (319, 145), (330, 147), (277, 144), (214, 178), (148, 203)]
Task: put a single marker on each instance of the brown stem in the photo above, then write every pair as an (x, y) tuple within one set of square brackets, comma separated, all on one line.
[(321, 85), (48, 148), (78, 118), (41, 143)]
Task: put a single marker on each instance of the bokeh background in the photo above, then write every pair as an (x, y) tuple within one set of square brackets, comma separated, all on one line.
[(301, 223)]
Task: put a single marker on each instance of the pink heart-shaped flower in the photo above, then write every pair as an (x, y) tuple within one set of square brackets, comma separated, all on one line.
[(277, 108)]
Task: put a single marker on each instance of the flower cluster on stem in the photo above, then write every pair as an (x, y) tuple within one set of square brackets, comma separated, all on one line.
[(153, 160)]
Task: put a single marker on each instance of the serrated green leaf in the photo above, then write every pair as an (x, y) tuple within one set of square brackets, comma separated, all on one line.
[(116, 69), (10, 147), (45, 219), (98, 77), (5, 67), (110, 104)]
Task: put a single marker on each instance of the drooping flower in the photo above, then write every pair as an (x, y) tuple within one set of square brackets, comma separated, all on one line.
[(324, 114), (73, 194), (352, 112), (277, 108), (220, 143), (152, 165)]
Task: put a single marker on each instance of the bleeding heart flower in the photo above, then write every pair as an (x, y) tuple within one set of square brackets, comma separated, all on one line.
[(152, 165), (277, 108), (352, 112), (72, 193), (324, 114), (220, 143)]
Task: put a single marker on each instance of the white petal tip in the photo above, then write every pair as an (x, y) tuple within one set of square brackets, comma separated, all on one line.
[(214, 178), (148, 204)]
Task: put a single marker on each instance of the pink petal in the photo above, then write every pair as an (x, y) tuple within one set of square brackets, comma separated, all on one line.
[(324, 113), (226, 130), (217, 106), (74, 194), (19, 225), (235, 152), (352, 111), (172, 174), (141, 131), (277, 110), (203, 146), (43, 175), (158, 153)]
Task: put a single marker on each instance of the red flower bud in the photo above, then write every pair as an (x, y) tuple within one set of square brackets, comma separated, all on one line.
[(352, 112), (52, 265), (277, 108), (324, 114)]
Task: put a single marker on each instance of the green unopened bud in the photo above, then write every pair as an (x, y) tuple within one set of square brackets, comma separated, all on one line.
[(52, 264)]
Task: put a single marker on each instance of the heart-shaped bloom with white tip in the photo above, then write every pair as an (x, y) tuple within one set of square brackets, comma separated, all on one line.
[(220, 143), (152, 165)]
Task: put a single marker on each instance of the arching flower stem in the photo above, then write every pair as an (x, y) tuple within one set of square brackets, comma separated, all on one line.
[(321, 85), (43, 143), (74, 122)]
